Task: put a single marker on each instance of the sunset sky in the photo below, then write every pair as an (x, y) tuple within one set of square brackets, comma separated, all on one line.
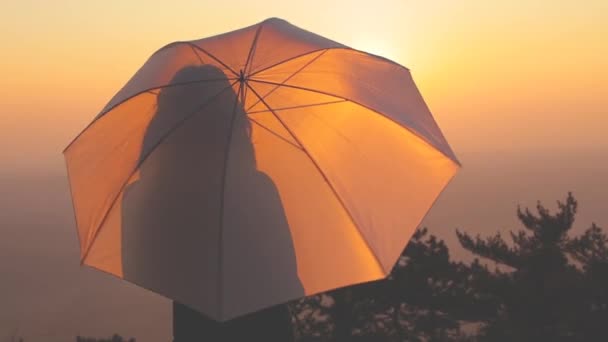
[(520, 74), (519, 88)]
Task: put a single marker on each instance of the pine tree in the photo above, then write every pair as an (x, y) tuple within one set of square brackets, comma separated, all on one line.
[(536, 293), (590, 250), (541, 284), (413, 304)]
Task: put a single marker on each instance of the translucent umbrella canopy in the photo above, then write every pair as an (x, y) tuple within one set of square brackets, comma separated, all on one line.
[(247, 169)]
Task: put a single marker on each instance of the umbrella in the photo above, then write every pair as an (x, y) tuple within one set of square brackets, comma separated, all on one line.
[(244, 170)]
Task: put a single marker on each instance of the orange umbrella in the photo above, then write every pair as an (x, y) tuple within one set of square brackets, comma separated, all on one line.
[(247, 169)]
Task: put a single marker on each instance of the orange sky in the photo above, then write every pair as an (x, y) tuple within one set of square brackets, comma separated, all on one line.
[(517, 75), (524, 82)]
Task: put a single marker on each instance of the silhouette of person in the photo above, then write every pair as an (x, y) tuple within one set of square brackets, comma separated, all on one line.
[(200, 209)]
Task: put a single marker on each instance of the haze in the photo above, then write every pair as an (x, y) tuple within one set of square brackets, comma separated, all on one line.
[(518, 88)]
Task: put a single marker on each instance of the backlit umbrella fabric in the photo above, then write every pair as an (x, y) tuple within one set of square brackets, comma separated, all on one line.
[(258, 166)]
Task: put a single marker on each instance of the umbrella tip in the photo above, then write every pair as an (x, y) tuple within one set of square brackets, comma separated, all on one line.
[(274, 19)]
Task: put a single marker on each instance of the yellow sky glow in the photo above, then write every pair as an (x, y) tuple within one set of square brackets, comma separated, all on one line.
[(522, 74), (519, 88)]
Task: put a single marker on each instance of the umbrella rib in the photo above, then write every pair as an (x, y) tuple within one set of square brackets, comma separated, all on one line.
[(176, 84), (300, 88), (147, 90), (288, 60), (289, 77), (275, 134), (243, 72), (223, 189), (140, 162), (384, 59), (368, 108), (212, 56), (73, 201), (324, 176), (200, 59), (254, 44), (300, 106)]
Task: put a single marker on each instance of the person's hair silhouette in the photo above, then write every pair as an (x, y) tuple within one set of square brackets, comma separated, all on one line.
[(200, 210)]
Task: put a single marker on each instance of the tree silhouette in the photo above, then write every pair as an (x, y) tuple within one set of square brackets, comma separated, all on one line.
[(536, 290), (311, 318), (541, 284), (415, 303), (590, 250)]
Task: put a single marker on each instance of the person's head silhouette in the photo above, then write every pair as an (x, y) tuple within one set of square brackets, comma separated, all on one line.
[(197, 95)]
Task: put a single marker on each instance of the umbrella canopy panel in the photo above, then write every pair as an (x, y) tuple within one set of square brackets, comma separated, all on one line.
[(244, 170)]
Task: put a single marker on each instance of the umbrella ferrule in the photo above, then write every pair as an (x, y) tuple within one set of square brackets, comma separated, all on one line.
[(241, 76)]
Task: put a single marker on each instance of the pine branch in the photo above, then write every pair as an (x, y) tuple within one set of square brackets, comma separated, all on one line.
[(493, 248), (550, 228), (590, 247)]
